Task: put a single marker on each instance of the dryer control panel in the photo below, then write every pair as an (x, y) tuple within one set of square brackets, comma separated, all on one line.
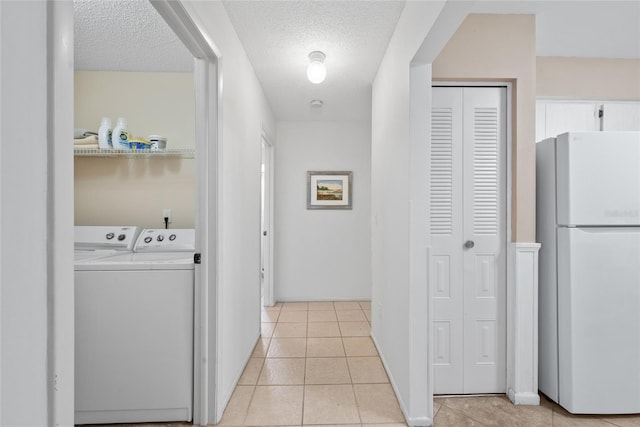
[(166, 240), (89, 237)]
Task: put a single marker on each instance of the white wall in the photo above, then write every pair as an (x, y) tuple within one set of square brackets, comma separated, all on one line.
[(34, 254), (23, 258), (393, 326), (245, 115), (322, 254)]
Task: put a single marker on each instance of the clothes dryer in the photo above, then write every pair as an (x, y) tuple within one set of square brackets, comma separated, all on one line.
[(134, 332)]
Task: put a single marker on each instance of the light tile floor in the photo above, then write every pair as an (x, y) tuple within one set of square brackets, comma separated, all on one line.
[(499, 411), (318, 359), (316, 365)]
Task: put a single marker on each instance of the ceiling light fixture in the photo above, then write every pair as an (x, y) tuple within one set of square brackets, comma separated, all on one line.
[(316, 71)]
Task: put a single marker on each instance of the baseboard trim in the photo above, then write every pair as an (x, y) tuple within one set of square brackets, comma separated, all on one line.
[(525, 398), (393, 383), (420, 422), (226, 397)]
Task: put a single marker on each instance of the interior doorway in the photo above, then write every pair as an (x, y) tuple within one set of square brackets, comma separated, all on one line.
[(206, 211), (266, 219), (468, 217)]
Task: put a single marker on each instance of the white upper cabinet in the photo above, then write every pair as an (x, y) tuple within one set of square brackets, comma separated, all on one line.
[(561, 117), (621, 116), (555, 117)]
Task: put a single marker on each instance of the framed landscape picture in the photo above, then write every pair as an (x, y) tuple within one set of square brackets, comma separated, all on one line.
[(329, 190)]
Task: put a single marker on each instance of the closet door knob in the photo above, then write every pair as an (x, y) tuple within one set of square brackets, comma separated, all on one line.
[(469, 244)]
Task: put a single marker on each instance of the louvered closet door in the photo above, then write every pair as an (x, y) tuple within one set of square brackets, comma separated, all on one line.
[(445, 225), (467, 206)]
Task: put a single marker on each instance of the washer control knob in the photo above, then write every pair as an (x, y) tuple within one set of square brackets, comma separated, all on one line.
[(160, 237), (148, 239), (121, 237), (172, 237), (110, 236)]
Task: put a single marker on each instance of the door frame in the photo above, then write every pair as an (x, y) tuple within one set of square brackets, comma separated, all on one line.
[(267, 251), (207, 78), (508, 267), (208, 134), (510, 283)]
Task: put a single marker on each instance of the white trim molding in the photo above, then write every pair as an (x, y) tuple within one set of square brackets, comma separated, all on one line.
[(522, 323), (208, 87), (419, 401), (410, 421)]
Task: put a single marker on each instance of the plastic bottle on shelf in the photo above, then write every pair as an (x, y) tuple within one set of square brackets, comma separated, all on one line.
[(120, 137), (104, 134)]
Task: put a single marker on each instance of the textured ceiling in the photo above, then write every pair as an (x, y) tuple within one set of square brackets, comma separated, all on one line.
[(279, 35), (125, 35)]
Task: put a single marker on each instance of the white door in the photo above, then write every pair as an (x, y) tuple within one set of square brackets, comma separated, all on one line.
[(266, 248), (468, 235)]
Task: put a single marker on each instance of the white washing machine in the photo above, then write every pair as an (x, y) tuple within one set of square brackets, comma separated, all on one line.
[(93, 242), (134, 332)]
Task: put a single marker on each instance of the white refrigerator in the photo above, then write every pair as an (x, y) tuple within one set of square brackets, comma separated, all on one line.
[(588, 222)]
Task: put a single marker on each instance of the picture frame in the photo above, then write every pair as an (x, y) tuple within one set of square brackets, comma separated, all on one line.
[(329, 190)]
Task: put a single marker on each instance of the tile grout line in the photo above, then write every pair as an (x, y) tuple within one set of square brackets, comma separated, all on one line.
[(255, 388), (304, 374), (556, 413), (253, 393), (467, 416), (306, 356), (353, 389), (440, 407), (608, 422), (264, 361)]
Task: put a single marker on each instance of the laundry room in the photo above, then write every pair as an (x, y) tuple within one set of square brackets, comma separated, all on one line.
[(134, 176), (155, 100), (129, 270), (113, 189)]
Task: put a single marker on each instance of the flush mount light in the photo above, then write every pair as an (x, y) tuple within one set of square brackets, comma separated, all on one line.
[(316, 103), (316, 71)]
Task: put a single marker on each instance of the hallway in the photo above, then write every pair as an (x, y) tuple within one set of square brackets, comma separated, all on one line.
[(315, 364)]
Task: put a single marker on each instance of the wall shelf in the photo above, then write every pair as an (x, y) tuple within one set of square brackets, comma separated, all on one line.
[(183, 153)]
